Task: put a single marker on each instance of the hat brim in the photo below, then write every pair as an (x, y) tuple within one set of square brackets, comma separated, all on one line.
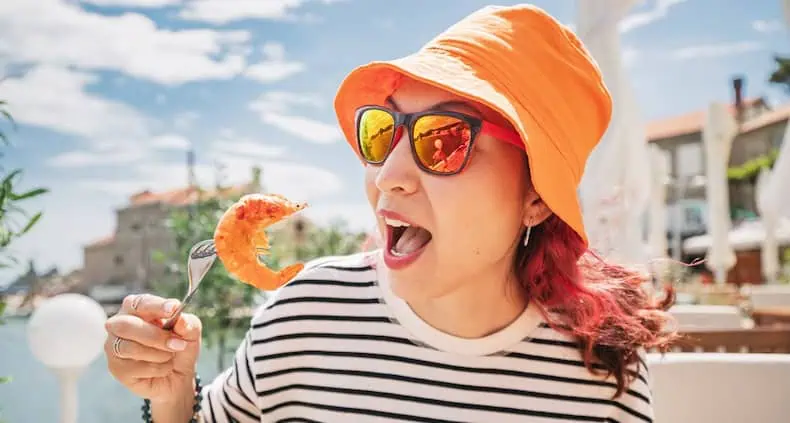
[(372, 83)]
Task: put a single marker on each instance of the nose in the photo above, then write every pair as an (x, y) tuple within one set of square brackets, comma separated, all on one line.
[(399, 173)]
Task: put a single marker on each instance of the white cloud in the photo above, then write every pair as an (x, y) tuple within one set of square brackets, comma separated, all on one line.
[(767, 26), (110, 132), (706, 51), (284, 101), (274, 66), (57, 99), (659, 11), (81, 158), (119, 187), (305, 128), (245, 147), (61, 33), (170, 142), (275, 109), (184, 120), (293, 179), (133, 3), (225, 11)]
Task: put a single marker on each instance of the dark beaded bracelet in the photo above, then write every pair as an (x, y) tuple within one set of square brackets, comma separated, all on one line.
[(147, 418)]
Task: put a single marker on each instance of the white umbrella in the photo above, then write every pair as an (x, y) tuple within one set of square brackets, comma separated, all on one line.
[(717, 136), (769, 252), (773, 203), (776, 194), (616, 187)]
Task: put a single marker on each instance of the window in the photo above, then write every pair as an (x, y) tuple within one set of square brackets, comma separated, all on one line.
[(118, 260), (135, 227), (693, 217)]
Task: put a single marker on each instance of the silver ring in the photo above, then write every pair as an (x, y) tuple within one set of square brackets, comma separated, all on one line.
[(116, 347), (136, 302)]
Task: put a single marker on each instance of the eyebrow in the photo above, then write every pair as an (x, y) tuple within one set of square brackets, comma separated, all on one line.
[(442, 105)]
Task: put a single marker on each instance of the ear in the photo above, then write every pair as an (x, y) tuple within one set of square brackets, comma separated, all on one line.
[(535, 210)]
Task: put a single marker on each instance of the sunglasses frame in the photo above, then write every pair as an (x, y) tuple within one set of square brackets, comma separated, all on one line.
[(407, 120)]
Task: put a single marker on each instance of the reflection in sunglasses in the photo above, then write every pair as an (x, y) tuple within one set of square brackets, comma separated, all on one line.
[(441, 142)]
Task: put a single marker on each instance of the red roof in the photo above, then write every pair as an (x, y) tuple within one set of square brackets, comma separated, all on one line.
[(101, 242), (693, 122), (181, 196)]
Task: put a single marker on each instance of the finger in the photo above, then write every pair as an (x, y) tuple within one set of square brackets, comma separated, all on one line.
[(131, 350), (188, 326), (131, 370), (145, 333), (148, 307)]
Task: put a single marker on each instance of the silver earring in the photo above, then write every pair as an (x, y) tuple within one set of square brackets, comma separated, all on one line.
[(526, 235)]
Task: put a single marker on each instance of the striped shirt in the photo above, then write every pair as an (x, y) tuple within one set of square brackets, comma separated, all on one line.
[(335, 345)]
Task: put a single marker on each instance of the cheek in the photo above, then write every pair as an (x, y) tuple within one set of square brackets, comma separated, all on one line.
[(371, 190), (479, 215)]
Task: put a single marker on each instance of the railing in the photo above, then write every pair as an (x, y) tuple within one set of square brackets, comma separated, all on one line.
[(756, 340)]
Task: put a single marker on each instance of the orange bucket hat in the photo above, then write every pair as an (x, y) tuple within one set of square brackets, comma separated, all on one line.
[(522, 63)]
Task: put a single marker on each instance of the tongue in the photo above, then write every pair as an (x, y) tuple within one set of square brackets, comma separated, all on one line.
[(413, 239)]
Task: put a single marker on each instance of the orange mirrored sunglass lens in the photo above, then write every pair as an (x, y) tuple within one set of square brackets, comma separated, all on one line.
[(375, 134), (441, 142)]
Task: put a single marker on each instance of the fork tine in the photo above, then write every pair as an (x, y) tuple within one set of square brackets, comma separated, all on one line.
[(203, 249)]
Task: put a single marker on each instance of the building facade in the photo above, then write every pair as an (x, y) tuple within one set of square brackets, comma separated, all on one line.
[(761, 128)]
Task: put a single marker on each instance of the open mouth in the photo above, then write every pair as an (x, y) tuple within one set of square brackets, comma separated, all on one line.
[(404, 238)]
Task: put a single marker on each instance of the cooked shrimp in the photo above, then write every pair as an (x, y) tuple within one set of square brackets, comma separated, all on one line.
[(240, 238)]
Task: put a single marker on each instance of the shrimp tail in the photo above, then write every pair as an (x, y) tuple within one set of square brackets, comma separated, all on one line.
[(289, 272)]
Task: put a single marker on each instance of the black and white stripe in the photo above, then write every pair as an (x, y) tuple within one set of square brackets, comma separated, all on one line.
[(327, 348)]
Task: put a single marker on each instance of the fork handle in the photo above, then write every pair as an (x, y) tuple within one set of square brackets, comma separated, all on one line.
[(171, 322)]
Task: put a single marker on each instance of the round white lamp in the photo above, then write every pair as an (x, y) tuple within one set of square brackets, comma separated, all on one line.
[(66, 333)]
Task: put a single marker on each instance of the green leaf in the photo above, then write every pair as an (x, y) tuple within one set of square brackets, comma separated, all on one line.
[(30, 194), (9, 179), (30, 224)]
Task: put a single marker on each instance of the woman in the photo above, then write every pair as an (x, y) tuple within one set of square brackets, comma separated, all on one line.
[(483, 303)]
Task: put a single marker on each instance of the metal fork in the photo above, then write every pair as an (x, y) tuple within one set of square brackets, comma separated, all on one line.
[(201, 257)]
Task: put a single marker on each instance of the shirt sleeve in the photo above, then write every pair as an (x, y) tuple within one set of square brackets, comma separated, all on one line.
[(231, 396)]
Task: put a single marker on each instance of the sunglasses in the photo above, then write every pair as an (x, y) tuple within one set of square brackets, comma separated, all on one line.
[(441, 141)]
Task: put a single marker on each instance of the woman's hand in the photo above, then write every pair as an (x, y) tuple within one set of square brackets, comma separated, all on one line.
[(152, 362)]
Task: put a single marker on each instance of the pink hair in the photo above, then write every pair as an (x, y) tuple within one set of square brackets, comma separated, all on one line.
[(601, 304)]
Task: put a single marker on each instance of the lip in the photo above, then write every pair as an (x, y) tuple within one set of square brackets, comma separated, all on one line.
[(389, 214), (390, 260)]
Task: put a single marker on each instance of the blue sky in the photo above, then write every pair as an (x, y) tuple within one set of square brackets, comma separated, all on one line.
[(108, 94)]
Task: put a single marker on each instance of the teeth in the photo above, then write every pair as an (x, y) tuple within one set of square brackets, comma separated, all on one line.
[(395, 223)]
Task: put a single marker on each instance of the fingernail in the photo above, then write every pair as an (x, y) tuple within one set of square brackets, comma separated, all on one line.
[(176, 344), (170, 306)]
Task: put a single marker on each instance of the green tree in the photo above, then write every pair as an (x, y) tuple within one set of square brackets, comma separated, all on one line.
[(14, 220), (781, 75), (320, 241), (222, 300)]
